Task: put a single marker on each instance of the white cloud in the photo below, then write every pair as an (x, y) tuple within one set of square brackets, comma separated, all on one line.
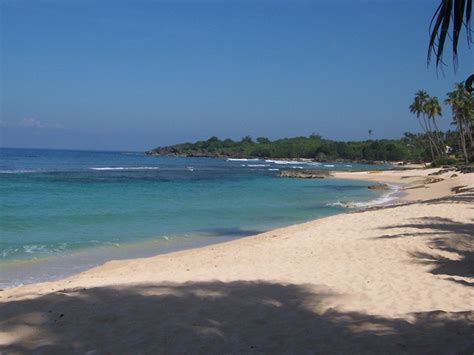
[(32, 123)]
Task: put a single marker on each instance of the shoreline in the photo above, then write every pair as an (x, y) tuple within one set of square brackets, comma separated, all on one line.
[(84, 259), (127, 252), (387, 263), (50, 268)]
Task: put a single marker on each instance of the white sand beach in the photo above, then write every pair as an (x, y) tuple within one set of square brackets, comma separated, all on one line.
[(389, 279)]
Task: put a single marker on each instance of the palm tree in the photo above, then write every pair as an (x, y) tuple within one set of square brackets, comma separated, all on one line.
[(468, 108), (462, 105), (419, 103), (433, 110), (459, 11), (418, 107)]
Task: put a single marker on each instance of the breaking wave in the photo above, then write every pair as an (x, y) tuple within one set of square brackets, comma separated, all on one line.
[(126, 168), (390, 196), (241, 159)]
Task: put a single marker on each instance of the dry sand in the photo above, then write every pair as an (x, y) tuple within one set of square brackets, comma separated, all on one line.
[(391, 279)]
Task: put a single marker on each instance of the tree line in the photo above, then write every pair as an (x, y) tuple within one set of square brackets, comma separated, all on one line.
[(432, 145), (428, 109), (411, 147)]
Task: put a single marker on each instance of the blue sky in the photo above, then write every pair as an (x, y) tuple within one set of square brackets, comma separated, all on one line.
[(132, 75)]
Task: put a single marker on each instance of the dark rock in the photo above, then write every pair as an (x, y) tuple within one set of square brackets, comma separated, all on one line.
[(465, 169), (379, 187), (432, 180), (442, 171), (459, 189), (305, 174)]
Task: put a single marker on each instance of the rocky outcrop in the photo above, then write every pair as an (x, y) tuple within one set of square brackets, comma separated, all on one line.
[(442, 171), (198, 153), (379, 187), (305, 174), (465, 169), (432, 180)]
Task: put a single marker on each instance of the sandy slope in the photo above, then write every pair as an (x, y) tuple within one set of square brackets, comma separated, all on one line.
[(392, 279)]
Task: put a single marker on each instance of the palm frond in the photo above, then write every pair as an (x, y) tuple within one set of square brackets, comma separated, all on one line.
[(459, 11), (470, 84), (467, 23), (457, 26)]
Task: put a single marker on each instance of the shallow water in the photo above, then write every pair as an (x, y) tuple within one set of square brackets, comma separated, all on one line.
[(59, 204)]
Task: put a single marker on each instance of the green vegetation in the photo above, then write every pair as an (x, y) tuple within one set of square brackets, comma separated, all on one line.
[(443, 161), (441, 148), (462, 106), (412, 147), (427, 109), (458, 144)]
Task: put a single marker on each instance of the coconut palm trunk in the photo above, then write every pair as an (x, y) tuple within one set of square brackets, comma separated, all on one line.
[(420, 108), (424, 126), (440, 139), (433, 110), (469, 134), (462, 104), (434, 138), (463, 143)]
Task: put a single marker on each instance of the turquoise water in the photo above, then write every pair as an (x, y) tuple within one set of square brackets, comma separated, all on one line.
[(55, 203)]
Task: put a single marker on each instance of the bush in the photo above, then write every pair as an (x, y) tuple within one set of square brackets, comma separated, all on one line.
[(443, 161)]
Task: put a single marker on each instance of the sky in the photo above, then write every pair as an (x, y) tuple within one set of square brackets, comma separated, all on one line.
[(133, 75)]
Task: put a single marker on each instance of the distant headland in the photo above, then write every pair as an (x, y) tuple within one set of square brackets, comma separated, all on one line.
[(411, 147)]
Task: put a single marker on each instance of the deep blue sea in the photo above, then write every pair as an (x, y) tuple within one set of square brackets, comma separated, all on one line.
[(61, 204)]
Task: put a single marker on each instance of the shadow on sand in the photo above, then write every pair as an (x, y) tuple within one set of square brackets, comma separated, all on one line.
[(464, 196), (447, 236), (243, 317), (216, 317)]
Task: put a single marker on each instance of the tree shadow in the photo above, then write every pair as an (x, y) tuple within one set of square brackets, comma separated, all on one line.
[(217, 317), (447, 236), (461, 198)]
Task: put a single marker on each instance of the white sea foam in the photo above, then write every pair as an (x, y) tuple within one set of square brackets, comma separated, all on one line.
[(390, 196), (20, 171), (338, 204), (126, 168), (241, 159), (275, 169), (33, 248), (284, 162), (256, 165), (329, 165), (117, 245), (293, 162), (385, 199)]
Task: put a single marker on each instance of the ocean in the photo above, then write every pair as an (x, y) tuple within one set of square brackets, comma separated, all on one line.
[(63, 211)]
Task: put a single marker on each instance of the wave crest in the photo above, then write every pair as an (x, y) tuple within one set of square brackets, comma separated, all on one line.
[(390, 196), (125, 168)]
